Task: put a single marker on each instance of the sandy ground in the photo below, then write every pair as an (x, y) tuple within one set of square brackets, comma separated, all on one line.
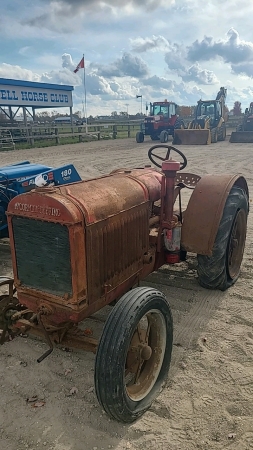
[(208, 400)]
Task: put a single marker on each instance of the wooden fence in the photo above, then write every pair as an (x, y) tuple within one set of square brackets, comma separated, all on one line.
[(12, 136), (34, 132)]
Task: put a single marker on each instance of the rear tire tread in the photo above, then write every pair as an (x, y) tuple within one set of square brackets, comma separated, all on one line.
[(212, 270)]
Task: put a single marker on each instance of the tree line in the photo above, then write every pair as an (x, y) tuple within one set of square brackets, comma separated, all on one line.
[(182, 111)]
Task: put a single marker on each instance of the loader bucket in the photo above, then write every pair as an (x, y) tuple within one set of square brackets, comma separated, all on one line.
[(192, 137), (241, 137)]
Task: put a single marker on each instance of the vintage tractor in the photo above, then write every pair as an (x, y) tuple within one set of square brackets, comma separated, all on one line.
[(25, 176), (161, 122), (209, 124), (244, 131), (78, 247)]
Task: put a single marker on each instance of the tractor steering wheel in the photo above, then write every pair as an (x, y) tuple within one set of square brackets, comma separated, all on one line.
[(152, 156)]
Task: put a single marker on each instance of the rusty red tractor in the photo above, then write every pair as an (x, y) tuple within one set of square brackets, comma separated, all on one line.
[(78, 247), (161, 122)]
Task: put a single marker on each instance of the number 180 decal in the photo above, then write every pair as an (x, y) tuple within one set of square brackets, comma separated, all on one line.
[(66, 172)]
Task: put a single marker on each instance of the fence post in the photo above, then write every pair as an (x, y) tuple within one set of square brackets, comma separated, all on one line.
[(80, 136), (128, 131), (98, 130), (31, 139), (57, 139), (114, 131)]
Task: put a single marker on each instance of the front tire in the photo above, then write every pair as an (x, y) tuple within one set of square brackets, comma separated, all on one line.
[(164, 136), (214, 135), (139, 137), (222, 133), (134, 354), (222, 269)]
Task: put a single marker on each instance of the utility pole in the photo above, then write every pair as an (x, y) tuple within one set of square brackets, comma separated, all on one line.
[(127, 104), (140, 96)]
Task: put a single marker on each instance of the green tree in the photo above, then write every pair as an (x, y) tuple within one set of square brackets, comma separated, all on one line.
[(237, 109)]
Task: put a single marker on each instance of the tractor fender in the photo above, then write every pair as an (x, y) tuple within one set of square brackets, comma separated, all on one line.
[(204, 211)]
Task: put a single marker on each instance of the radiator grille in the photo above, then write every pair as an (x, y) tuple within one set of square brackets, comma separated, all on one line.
[(43, 255), (115, 249)]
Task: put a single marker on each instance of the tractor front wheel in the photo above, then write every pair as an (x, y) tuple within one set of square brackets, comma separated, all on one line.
[(164, 136), (139, 137), (134, 354), (214, 135), (222, 133), (222, 269)]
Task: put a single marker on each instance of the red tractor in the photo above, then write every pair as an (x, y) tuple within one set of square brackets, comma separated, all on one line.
[(79, 247), (161, 122)]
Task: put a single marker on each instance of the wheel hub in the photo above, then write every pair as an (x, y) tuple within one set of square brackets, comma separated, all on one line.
[(146, 352), (145, 355)]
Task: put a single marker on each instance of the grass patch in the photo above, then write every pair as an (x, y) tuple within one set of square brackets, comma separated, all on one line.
[(105, 133)]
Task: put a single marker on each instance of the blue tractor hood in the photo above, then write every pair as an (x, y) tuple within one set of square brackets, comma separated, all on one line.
[(21, 171)]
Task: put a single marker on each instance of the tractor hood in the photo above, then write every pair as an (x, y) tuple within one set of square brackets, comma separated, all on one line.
[(20, 171), (97, 199), (155, 118)]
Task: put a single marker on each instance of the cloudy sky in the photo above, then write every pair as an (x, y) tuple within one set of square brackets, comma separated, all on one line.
[(182, 50)]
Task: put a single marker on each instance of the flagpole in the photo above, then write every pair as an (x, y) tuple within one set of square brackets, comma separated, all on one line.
[(85, 99)]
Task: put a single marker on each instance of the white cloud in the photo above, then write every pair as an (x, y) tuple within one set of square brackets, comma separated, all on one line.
[(128, 65), (233, 50), (25, 51), (67, 62), (154, 43), (178, 49), (198, 75), (18, 73)]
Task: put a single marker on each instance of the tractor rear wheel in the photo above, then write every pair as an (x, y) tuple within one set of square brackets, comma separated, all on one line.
[(134, 354), (222, 269), (139, 137), (164, 136)]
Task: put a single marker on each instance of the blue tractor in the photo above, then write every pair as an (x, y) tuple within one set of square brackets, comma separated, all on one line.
[(24, 176)]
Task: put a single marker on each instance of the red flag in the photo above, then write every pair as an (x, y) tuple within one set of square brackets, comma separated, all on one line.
[(80, 65)]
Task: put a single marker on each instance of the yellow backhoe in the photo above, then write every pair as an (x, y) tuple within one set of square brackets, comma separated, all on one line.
[(209, 124)]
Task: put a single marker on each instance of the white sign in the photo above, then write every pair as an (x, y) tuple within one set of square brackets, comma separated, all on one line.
[(11, 95)]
